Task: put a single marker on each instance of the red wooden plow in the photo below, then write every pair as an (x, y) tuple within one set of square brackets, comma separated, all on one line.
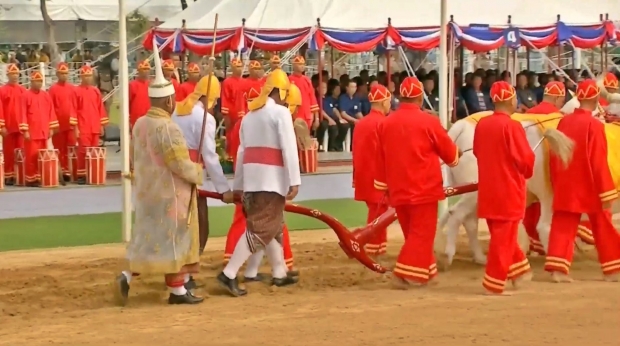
[(353, 242)]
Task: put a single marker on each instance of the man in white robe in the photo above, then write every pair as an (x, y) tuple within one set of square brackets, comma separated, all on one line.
[(189, 115), (267, 174)]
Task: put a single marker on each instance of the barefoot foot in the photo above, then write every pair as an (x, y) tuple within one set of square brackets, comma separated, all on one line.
[(522, 280), (560, 278), (612, 278)]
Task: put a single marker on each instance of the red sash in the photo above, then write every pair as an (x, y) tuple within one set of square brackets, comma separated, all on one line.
[(193, 155)]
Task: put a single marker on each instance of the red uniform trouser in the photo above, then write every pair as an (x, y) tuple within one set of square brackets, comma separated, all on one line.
[(31, 158), (62, 141), (11, 142), (86, 140), (416, 261), (563, 229), (378, 244), (505, 260), (530, 220), (236, 231)]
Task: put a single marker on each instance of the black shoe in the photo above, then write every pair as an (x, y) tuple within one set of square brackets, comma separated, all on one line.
[(258, 278), (231, 285), (66, 178), (187, 298), (81, 181), (293, 273), (121, 289), (191, 284), (9, 181), (285, 281), (35, 184)]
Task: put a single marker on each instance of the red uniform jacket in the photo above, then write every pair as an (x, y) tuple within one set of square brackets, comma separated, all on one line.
[(505, 161), (308, 97), (139, 102), (64, 100), (543, 108), (231, 92), (587, 181), (185, 90), (13, 98), (242, 101), (90, 111), (177, 89), (2, 123), (411, 142), (40, 114), (365, 151)]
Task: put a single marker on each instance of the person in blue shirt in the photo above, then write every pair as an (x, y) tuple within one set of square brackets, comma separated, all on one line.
[(332, 122), (349, 105), (476, 99)]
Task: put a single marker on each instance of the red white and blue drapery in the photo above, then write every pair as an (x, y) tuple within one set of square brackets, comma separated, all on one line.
[(474, 37)]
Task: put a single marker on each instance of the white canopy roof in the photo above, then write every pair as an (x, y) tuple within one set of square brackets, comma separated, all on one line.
[(368, 14), (88, 10)]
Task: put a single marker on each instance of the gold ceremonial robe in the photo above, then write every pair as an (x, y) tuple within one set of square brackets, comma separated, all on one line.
[(162, 242)]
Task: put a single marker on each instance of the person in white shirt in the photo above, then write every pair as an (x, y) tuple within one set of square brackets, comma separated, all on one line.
[(189, 116), (267, 174)]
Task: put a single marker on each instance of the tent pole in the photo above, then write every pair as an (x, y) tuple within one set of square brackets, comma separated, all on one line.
[(443, 85), (124, 106)]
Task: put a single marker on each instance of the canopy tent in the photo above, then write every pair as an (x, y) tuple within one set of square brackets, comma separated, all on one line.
[(74, 19), (361, 25)]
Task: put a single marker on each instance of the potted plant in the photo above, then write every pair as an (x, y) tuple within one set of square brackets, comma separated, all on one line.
[(225, 160)]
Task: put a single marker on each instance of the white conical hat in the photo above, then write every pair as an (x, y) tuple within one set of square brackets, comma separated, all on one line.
[(159, 87)]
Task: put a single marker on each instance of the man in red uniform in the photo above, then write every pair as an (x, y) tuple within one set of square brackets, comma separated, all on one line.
[(91, 119), (554, 97), (411, 142), (238, 226), (12, 97), (255, 79), (365, 152), (275, 62), (193, 76), (593, 193), (139, 102), (41, 123), (232, 96), (309, 109), (168, 69), (505, 161), (64, 99), (611, 84)]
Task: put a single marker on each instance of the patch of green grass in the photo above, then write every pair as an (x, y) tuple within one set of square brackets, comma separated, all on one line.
[(81, 230)]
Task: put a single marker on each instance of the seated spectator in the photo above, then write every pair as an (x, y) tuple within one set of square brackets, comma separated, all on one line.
[(344, 82), (332, 121), (543, 79), (394, 102), (364, 76), (506, 77), (361, 94), (491, 77), (431, 102), (525, 95), (349, 104), (461, 109), (476, 99)]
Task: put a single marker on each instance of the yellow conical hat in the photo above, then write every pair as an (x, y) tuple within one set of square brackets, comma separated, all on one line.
[(185, 107), (277, 79), (294, 98)]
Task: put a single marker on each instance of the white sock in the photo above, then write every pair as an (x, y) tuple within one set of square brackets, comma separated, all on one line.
[(186, 278), (178, 291), (127, 275), (276, 259), (240, 255), (254, 262)]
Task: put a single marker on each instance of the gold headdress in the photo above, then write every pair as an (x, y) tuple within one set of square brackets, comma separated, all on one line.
[(276, 79), (185, 107)]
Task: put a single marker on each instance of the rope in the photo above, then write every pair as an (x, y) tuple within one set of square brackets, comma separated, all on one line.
[(411, 72)]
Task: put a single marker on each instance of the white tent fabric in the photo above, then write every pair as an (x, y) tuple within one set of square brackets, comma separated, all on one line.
[(87, 10), (369, 14)]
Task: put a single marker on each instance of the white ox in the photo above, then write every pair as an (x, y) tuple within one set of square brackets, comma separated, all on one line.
[(464, 212)]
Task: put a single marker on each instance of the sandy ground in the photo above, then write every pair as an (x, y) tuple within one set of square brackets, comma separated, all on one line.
[(63, 297)]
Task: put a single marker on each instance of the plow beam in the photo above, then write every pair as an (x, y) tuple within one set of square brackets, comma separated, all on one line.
[(353, 242)]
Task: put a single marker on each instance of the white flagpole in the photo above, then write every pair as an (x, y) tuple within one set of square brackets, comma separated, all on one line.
[(443, 85), (124, 107)]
